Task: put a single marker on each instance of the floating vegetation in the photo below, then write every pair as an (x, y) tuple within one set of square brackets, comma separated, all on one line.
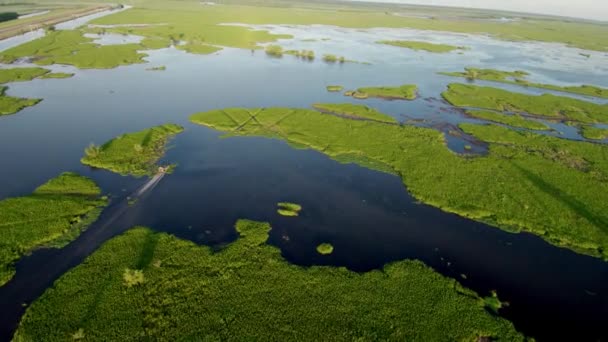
[(57, 75), (594, 133), (53, 215), (335, 88), (547, 105), (404, 92), (133, 154), (284, 301), (518, 77), (554, 188), (424, 46), (303, 54), (354, 111), (325, 248), (514, 120), (274, 50), (11, 105), (329, 58), (288, 209)]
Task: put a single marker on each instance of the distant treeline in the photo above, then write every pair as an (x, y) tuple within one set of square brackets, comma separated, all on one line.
[(6, 16)]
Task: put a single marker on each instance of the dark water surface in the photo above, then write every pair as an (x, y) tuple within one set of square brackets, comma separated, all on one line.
[(554, 294)]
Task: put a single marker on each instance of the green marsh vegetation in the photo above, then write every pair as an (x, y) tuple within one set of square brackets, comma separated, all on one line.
[(424, 46), (288, 209), (594, 133), (405, 301), (52, 215), (274, 50), (354, 111), (11, 105), (21, 74), (518, 77), (514, 120), (404, 92), (203, 22), (57, 75), (133, 154), (329, 58), (308, 55), (71, 47), (157, 68), (200, 49), (334, 88), (546, 105), (552, 187), (325, 248)]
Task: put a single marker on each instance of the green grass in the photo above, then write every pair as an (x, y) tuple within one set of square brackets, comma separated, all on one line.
[(274, 50), (21, 74), (71, 47), (404, 92), (11, 105), (200, 49), (514, 120), (424, 46), (354, 111), (546, 105), (288, 209), (518, 77), (329, 58), (334, 88), (133, 154), (325, 248), (594, 133), (53, 215), (303, 54), (247, 291), (56, 75), (554, 188), (493, 303), (202, 22)]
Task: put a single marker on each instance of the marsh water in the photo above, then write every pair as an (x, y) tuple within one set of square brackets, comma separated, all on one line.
[(369, 217)]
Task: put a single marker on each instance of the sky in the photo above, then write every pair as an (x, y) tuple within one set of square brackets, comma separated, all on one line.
[(590, 9)]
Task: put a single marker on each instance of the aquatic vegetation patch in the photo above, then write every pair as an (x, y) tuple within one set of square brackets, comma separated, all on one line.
[(552, 187), (288, 209), (594, 133), (546, 105), (11, 105), (334, 88), (157, 68), (71, 47), (308, 55), (404, 92), (21, 74), (325, 248), (421, 46), (52, 215), (514, 120), (329, 58), (200, 49), (354, 111), (274, 50), (133, 154), (518, 77), (56, 75), (248, 291)]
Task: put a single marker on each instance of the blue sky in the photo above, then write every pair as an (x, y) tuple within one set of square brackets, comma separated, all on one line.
[(592, 9)]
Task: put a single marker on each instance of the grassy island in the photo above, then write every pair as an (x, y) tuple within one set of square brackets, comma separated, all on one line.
[(325, 248), (551, 187), (547, 105), (303, 54), (594, 133), (514, 120), (133, 153), (53, 215), (404, 92), (150, 285), (199, 49), (11, 105), (518, 77), (335, 88), (421, 46), (21, 74), (274, 50), (354, 111), (289, 209), (57, 75), (329, 58)]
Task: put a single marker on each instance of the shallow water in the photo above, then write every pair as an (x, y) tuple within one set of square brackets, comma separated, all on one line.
[(367, 215)]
